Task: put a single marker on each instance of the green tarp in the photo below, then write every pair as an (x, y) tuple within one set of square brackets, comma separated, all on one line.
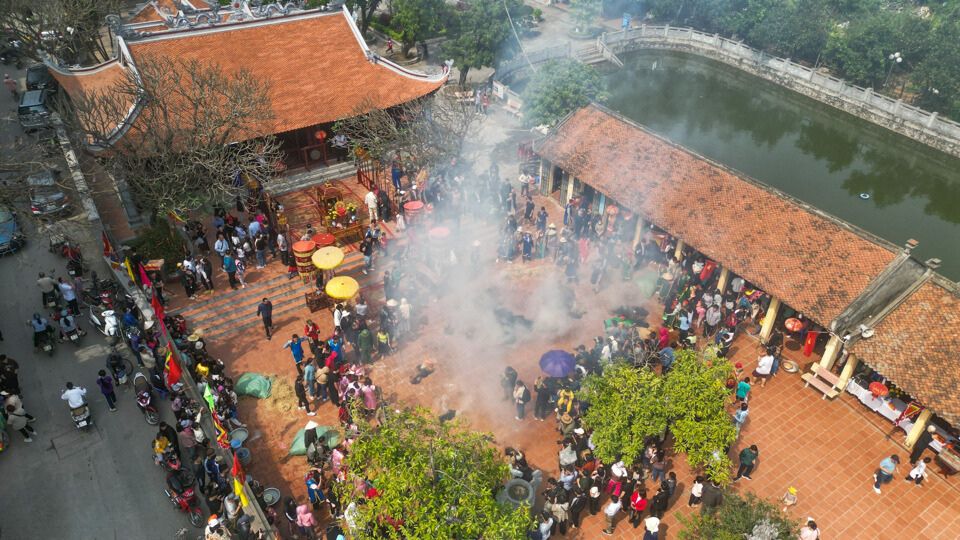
[(297, 448), (253, 384)]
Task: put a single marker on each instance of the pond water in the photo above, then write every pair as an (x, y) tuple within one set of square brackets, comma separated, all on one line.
[(818, 154)]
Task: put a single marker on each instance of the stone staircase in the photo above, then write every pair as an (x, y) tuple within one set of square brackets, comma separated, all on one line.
[(228, 313), (589, 55)]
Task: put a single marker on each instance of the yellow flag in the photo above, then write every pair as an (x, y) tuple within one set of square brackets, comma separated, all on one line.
[(238, 491), (126, 262)]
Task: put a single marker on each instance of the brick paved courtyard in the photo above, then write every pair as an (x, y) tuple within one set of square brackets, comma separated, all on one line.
[(826, 449)]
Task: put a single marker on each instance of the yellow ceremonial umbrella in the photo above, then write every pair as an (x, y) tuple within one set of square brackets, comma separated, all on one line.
[(327, 258), (342, 288)]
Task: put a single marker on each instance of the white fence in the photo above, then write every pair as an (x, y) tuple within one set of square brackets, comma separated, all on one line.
[(918, 124)]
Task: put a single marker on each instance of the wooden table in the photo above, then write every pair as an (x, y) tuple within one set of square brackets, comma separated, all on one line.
[(316, 301), (346, 235)]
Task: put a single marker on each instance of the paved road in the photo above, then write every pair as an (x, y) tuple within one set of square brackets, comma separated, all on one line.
[(98, 484)]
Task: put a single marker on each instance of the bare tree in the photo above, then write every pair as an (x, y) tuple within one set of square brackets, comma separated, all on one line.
[(423, 132), (199, 134), (71, 30)]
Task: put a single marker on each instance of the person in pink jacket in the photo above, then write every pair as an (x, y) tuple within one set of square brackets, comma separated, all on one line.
[(306, 521)]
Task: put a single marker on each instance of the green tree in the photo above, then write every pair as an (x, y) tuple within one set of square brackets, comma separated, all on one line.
[(560, 87), (483, 35), (860, 51), (796, 29), (739, 517), (626, 407), (585, 13), (417, 20), (937, 77), (696, 396), (436, 480), (364, 10)]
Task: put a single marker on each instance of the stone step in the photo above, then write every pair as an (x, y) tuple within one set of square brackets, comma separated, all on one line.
[(200, 313)]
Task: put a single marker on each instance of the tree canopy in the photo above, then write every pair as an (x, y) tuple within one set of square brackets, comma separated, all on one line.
[(560, 87), (739, 517), (853, 38), (696, 396), (482, 35), (197, 138), (417, 20), (71, 30), (424, 132), (433, 479), (628, 405)]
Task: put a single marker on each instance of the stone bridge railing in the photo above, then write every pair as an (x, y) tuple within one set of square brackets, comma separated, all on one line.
[(918, 124), (521, 62)]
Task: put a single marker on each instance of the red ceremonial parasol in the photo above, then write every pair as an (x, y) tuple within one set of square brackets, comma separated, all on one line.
[(324, 239), (878, 389), (793, 325)]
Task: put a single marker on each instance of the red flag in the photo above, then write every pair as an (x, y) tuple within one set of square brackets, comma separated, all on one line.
[(107, 246), (809, 343), (237, 470), (172, 370), (157, 307), (143, 276), (222, 436)]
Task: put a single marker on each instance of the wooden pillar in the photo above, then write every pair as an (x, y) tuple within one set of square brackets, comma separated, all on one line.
[(922, 421), (769, 319), (724, 280), (830, 353), (847, 372), (638, 232), (679, 251), (570, 182)]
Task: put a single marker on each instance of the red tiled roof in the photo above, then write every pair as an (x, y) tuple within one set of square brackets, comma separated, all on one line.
[(148, 12), (813, 263), (91, 81), (317, 69), (918, 347)]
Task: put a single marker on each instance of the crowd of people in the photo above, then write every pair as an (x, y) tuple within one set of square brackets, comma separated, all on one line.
[(334, 367)]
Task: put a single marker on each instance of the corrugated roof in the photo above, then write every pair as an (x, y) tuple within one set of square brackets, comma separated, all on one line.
[(815, 264)]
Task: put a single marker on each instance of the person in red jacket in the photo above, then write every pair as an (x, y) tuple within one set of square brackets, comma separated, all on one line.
[(638, 503)]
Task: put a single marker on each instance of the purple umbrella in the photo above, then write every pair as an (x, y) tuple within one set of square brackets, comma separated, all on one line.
[(557, 363)]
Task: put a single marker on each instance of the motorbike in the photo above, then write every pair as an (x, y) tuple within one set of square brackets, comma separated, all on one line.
[(4, 439), (107, 323), (51, 300), (48, 343), (145, 399), (118, 367), (181, 494), (72, 335), (81, 416)]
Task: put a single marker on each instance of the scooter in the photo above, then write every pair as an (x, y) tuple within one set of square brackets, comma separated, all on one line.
[(48, 343), (107, 323), (51, 300), (118, 368), (181, 494), (81, 416), (145, 399)]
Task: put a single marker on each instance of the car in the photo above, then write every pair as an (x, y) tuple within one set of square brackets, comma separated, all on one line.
[(11, 238), (39, 78), (34, 110), (46, 198)]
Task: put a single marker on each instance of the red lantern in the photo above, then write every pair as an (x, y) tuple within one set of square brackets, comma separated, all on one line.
[(320, 134)]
